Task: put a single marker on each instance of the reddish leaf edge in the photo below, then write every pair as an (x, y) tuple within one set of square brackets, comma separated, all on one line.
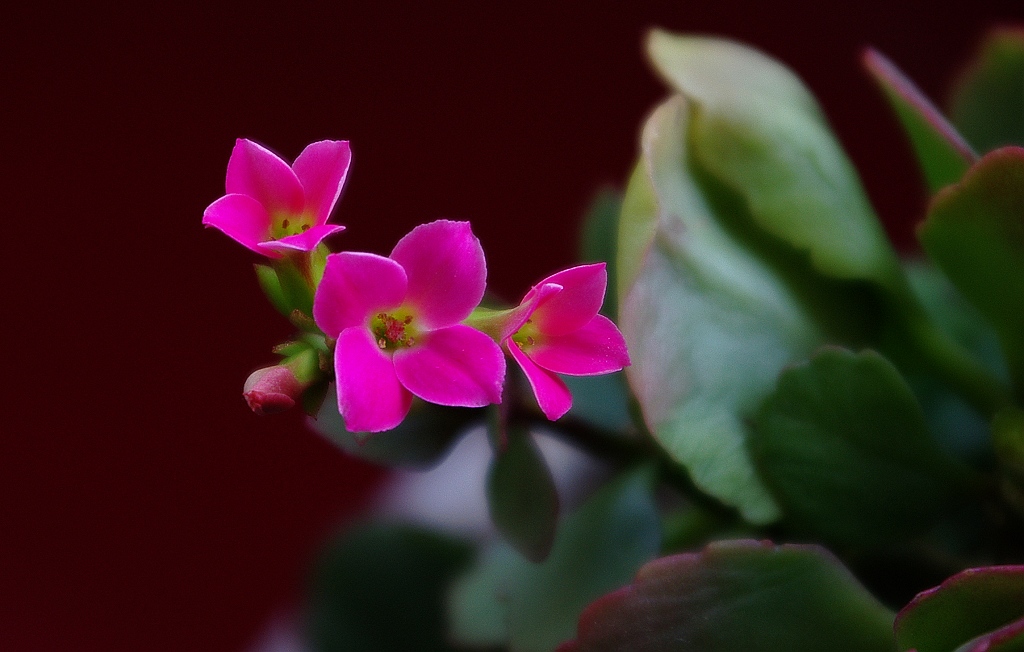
[(977, 173), (1004, 634), (591, 615), (892, 79), (952, 582)]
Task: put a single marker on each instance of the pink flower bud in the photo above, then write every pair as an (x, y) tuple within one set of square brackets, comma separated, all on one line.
[(271, 390)]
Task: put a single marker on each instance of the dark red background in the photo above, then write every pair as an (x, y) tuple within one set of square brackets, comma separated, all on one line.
[(143, 506)]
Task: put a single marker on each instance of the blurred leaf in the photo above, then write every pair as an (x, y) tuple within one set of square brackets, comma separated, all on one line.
[(708, 323), (381, 588), (420, 440), (975, 233), (601, 401), (941, 151), (597, 548), (598, 241), (522, 497), (952, 314), (959, 428), (968, 605), (1008, 444), (692, 526), (745, 243), (478, 601), (738, 595), (638, 219), (758, 130), (843, 444), (1008, 440), (988, 100)]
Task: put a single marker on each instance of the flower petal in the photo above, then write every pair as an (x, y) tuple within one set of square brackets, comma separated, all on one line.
[(515, 318), (242, 219), (321, 169), (457, 365), (370, 398), (256, 171), (553, 396), (305, 241), (355, 285), (447, 272), (581, 297), (597, 348)]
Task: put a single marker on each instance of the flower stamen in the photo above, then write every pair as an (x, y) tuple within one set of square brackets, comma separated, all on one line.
[(524, 337), (392, 331)]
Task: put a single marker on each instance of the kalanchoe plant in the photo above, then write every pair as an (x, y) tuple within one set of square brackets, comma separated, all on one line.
[(789, 378)]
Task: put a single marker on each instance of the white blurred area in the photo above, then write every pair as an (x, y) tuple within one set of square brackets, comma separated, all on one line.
[(451, 497)]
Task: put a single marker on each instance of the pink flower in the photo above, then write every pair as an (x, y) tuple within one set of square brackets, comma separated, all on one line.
[(396, 321), (275, 209), (556, 330)]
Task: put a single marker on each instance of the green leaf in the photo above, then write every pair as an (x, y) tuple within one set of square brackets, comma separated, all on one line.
[(1008, 440), (975, 233), (758, 130), (597, 548), (708, 322), (315, 396), (739, 595), (844, 446), (420, 440), (294, 285), (271, 286), (954, 316), (638, 218), (966, 606), (745, 243), (941, 151), (382, 587), (988, 101), (522, 497), (598, 240), (288, 349), (478, 601), (957, 427)]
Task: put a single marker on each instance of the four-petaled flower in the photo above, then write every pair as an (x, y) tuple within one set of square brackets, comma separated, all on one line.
[(396, 322), (275, 209), (556, 330)]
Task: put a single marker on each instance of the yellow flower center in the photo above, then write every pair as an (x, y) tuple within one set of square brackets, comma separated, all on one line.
[(393, 331), (527, 335), (282, 226)]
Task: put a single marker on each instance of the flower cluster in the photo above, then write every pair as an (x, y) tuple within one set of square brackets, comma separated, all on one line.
[(407, 325)]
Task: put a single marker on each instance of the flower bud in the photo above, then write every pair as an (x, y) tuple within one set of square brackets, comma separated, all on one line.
[(272, 389)]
